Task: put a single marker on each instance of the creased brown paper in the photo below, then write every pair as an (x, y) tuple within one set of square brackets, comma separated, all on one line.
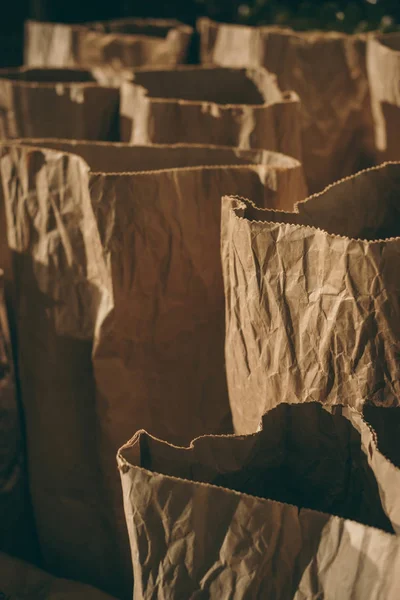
[(383, 62), (123, 43), (379, 428), (312, 298), (236, 516), (19, 579), (16, 524), (286, 177), (58, 284), (210, 105), (120, 304), (328, 72), (65, 103)]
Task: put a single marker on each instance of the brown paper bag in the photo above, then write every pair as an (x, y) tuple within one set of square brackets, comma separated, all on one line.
[(119, 288), (383, 62), (16, 523), (236, 516), (19, 579), (286, 182), (328, 72), (52, 44), (230, 107), (379, 428), (65, 103), (58, 287), (123, 43), (312, 298)]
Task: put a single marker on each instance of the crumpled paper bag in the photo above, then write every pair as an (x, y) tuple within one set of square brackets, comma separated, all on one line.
[(58, 280), (379, 429), (61, 103), (383, 63), (123, 43), (119, 303), (328, 72), (16, 523), (210, 105), (20, 580), (236, 516), (286, 182), (312, 298)]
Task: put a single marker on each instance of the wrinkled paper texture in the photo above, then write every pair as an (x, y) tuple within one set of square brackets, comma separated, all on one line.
[(312, 298), (65, 103), (59, 283), (379, 429), (124, 43), (231, 107), (328, 72), (383, 63), (241, 513), (119, 304)]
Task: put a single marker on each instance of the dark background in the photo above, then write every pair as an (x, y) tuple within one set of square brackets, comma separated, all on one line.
[(353, 16)]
